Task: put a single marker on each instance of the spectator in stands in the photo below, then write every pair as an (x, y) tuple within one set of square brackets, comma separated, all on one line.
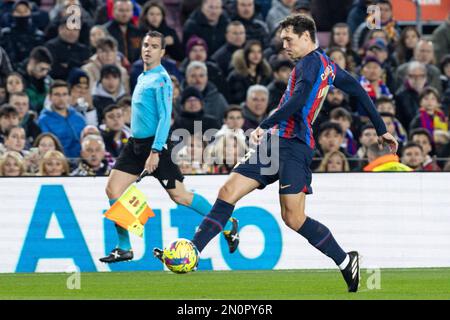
[(338, 56), (430, 115), (114, 132), (209, 23), (233, 122), (93, 162), (125, 104), (15, 140), (388, 24), (9, 117), (358, 13), (423, 53), (413, 156), (445, 79), (387, 105), (12, 165), (255, 106), (191, 156), (14, 83), (192, 113), (281, 72), (381, 159), (65, 9), (66, 50), (235, 39), (153, 18), (226, 151), (3, 98), (368, 137), (108, 90), (279, 10), (27, 118), (389, 121), (407, 97), (36, 75), (5, 66), (19, 38), (80, 96), (62, 120), (344, 119), (106, 54), (340, 37), (377, 48), (249, 68), (334, 161), (197, 50), (43, 143), (53, 164), (330, 139), (441, 39), (214, 103), (425, 140), (96, 33), (404, 49), (255, 29), (122, 29), (371, 79)]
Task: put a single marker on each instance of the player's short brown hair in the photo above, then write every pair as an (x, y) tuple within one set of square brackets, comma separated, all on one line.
[(300, 23)]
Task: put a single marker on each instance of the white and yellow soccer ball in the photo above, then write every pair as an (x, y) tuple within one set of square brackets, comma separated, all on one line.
[(181, 256)]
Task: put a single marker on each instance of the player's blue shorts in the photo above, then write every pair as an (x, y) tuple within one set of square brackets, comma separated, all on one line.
[(289, 163)]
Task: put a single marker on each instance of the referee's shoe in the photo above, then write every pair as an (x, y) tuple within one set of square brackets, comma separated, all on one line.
[(118, 255)]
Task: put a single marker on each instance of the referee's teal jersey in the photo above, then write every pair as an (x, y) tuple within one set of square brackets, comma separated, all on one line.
[(151, 106)]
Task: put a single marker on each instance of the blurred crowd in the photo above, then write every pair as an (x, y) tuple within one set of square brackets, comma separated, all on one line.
[(68, 69)]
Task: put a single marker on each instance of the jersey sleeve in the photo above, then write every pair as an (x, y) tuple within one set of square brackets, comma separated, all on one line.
[(345, 82), (164, 107), (306, 73)]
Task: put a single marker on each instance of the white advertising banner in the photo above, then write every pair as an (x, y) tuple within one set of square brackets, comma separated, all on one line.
[(392, 219)]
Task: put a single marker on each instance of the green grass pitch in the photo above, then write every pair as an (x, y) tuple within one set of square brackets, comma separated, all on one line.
[(286, 284)]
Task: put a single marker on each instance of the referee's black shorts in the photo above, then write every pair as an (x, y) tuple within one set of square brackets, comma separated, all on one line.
[(134, 155)]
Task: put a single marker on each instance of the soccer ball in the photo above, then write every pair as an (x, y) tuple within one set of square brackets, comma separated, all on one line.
[(181, 256)]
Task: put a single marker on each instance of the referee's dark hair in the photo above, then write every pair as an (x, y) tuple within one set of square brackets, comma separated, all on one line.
[(156, 34), (300, 24)]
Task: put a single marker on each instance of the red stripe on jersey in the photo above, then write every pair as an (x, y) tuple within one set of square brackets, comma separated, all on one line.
[(291, 122)]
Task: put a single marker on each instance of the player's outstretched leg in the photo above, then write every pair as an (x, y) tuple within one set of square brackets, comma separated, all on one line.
[(199, 204), (320, 237), (118, 182), (236, 187)]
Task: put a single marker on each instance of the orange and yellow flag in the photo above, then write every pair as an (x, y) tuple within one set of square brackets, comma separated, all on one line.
[(131, 211)]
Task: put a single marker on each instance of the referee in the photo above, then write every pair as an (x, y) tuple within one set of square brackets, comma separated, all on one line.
[(149, 148)]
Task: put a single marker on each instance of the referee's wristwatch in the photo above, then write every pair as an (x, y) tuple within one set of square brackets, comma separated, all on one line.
[(156, 151)]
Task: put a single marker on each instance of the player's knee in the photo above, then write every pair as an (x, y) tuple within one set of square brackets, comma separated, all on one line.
[(293, 219), (226, 193)]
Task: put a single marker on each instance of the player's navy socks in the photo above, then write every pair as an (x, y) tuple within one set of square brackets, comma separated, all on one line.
[(122, 234), (213, 223), (202, 206), (321, 238)]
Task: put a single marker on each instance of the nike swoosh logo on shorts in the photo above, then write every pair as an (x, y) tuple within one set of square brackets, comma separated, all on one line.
[(284, 187)]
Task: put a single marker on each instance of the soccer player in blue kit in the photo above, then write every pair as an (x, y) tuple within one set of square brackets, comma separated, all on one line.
[(291, 125), (149, 147)]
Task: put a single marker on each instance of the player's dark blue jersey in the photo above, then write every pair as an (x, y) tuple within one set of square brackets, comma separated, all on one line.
[(306, 91)]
